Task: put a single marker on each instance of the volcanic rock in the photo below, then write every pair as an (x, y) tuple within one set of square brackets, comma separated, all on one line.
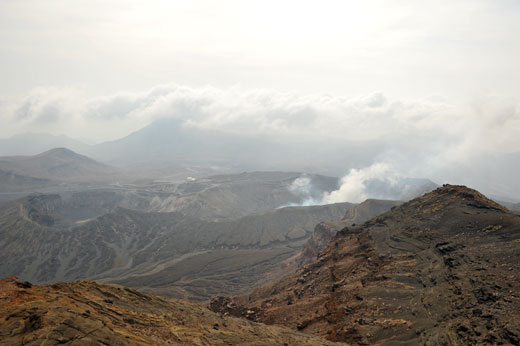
[(89, 313), (442, 269)]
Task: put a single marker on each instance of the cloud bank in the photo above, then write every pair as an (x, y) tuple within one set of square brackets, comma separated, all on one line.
[(429, 137)]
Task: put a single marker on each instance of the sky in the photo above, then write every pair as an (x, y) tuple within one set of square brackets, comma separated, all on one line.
[(452, 48), (438, 80)]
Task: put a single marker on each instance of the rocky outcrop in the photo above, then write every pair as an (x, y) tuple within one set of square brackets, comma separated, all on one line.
[(443, 269), (89, 313), (325, 231)]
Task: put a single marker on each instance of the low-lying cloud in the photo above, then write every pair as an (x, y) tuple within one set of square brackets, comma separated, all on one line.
[(430, 137), (353, 187)]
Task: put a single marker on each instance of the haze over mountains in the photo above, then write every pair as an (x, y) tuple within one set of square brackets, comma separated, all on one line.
[(27, 144), (88, 234), (193, 238), (259, 173), (169, 145), (59, 164), (177, 229), (441, 268), (174, 149), (274, 241), (55, 170), (234, 130)]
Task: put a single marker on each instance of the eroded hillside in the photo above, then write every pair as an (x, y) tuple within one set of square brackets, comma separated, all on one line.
[(89, 313), (443, 269), (169, 253)]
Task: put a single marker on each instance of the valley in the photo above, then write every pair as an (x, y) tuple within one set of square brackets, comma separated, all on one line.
[(361, 273), (222, 234)]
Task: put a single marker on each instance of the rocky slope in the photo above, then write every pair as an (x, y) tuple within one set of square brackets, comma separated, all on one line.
[(222, 197), (14, 186), (169, 253), (326, 230), (442, 269), (89, 313)]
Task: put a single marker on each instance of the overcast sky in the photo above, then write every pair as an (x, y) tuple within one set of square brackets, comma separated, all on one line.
[(436, 82), (100, 69), (403, 48)]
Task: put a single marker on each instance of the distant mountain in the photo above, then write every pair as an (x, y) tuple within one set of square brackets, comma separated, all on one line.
[(170, 139), (90, 313), (35, 143), (442, 269), (169, 144), (56, 164)]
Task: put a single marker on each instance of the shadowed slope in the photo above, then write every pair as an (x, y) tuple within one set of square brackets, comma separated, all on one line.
[(326, 230), (170, 253), (443, 269), (89, 313)]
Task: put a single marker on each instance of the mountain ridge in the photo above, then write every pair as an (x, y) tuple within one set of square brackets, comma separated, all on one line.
[(91, 313), (129, 246), (56, 164), (34, 143), (440, 269)]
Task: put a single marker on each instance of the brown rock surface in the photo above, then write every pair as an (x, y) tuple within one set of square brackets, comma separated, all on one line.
[(89, 313), (326, 230), (443, 269)]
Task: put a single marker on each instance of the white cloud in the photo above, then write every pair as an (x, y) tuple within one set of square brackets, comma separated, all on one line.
[(430, 125), (353, 186), (406, 48), (421, 137)]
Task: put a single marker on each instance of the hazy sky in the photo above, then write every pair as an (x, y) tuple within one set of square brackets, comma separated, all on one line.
[(99, 69), (437, 82), (403, 48)]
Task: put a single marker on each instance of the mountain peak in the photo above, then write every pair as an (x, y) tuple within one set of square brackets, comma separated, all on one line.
[(34, 143), (60, 152), (57, 163), (443, 268), (456, 193)]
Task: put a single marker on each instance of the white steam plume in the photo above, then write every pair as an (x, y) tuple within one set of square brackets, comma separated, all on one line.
[(354, 185), (303, 188)]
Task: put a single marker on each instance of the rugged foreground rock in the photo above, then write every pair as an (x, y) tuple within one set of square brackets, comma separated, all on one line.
[(89, 313), (326, 230), (443, 269)]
